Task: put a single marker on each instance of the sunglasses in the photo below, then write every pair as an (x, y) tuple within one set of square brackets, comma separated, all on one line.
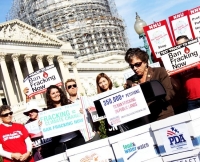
[(70, 86), (137, 64), (6, 115)]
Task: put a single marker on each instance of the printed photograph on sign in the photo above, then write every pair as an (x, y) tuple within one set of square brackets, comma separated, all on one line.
[(38, 81), (181, 57), (176, 138)]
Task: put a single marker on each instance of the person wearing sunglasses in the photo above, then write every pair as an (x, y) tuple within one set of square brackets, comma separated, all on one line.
[(42, 148), (138, 62), (72, 90), (15, 143)]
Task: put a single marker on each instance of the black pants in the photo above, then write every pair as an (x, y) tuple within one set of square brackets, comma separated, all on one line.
[(74, 142)]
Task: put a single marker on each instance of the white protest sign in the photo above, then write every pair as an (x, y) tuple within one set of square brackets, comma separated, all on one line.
[(40, 80), (180, 25), (181, 57), (134, 148), (159, 37), (176, 138), (61, 120), (91, 100), (33, 129), (195, 21), (189, 159), (125, 106), (128, 73)]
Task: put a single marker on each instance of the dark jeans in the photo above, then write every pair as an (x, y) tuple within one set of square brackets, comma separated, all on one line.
[(193, 104), (74, 142)]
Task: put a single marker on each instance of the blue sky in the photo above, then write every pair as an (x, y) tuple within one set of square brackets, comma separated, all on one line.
[(148, 10)]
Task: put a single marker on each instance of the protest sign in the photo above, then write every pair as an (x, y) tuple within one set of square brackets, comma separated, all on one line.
[(194, 15), (40, 80), (33, 129), (91, 100), (158, 37), (125, 106), (181, 25), (61, 120), (181, 57)]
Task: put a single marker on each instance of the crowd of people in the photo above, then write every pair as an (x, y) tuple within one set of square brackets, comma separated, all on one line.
[(182, 94)]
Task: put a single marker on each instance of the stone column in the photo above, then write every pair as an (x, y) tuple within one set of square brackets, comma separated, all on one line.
[(30, 68), (81, 90), (27, 58), (67, 69), (12, 100), (19, 74), (62, 68), (39, 60), (50, 59)]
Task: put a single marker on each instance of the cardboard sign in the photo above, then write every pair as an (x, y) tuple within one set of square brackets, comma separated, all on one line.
[(181, 25), (33, 129), (158, 37), (194, 15), (189, 159), (40, 80), (103, 154), (181, 57), (134, 148), (125, 106), (61, 120), (91, 100), (176, 138)]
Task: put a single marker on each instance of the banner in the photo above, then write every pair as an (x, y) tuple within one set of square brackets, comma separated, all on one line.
[(125, 106), (61, 120), (181, 25), (40, 80), (181, 57), (194, 15), (158, 37), (33, 129)]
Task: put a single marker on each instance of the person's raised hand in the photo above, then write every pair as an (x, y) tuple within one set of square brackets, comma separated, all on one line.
[(26, 90)]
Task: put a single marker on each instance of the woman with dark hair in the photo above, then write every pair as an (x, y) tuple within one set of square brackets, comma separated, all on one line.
[(138, 61), (104, 83), (55, 97)]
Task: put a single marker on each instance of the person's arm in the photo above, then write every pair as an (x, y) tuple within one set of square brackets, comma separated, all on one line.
[(29, 149), (166, 82), (9, 155)]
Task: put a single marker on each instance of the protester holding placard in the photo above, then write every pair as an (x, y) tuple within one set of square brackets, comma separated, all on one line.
[(55, 97), (191, 81), (42, 148), (15, 143), (138, 61), (72, 90), (104, 83)]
